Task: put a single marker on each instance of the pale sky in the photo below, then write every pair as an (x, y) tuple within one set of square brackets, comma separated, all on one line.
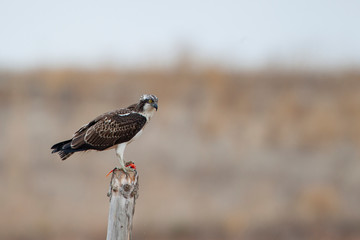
[(239, 33)]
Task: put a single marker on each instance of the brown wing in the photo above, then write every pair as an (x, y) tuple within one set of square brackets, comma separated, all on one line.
[(108, 130), (97, 119)]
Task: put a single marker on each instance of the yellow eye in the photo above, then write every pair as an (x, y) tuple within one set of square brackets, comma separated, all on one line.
[(150, 101)]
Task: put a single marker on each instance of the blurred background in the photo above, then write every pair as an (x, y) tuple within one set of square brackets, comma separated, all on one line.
[(257, 134)]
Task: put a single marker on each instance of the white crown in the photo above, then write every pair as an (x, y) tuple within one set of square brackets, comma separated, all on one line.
[(148, 96)]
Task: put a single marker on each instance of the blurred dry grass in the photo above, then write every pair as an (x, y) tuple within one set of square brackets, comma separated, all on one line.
[(229, 155)]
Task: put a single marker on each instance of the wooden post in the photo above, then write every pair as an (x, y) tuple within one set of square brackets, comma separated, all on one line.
[(123, 193)]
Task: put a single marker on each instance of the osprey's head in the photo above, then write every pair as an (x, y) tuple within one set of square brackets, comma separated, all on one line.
[(149, 101), (147, 105)]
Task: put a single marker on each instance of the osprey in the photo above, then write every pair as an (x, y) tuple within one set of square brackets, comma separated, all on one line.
[(115, 129)]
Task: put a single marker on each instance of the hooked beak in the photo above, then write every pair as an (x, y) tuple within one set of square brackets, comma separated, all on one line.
[(155, 106)]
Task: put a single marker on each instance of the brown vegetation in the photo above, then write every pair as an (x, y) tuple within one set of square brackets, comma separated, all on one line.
[(257, 155)]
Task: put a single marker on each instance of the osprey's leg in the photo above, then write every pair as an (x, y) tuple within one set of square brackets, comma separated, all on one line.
[(120, 154), (126, 167), (122, 164)]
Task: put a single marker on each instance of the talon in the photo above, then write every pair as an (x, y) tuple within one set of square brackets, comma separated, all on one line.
[(129, 165)]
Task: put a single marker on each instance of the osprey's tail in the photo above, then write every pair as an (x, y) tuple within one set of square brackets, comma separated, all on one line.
[(63, 149)]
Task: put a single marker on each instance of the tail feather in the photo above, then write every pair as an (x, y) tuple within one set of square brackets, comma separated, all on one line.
[(63, 149), (64, 155), (59, 146)]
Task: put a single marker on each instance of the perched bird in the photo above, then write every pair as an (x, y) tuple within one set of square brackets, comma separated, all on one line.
[(115, 129)]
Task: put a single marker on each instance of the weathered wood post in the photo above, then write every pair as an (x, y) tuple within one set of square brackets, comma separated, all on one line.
[(123, 193)]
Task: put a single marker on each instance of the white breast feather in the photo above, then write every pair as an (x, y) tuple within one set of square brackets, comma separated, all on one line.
[(148, 111)]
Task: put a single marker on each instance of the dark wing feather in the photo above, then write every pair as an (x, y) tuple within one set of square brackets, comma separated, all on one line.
[(77, 140), (108, 130), (98, 118)]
